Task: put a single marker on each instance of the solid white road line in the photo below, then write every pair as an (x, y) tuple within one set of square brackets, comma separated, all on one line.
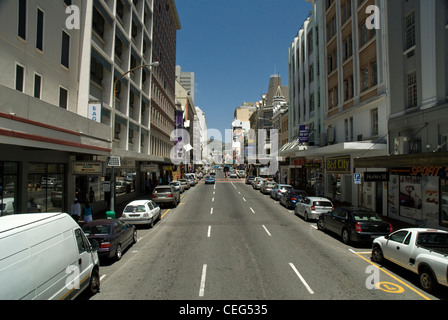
[(204, 274), (267, 231), (301, 278)]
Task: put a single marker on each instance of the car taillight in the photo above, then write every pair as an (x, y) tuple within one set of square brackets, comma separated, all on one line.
[(153, 196), (293, 199), (105, 245), (391, 229), (279, 191), (313, 208), (358, 227), (170, 195)]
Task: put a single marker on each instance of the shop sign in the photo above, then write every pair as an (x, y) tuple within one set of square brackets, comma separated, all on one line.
[(304, 134), (312, 165), (94, 111), (88, 167), (338, 164), (376, 176), (148, 167), (440, 171)]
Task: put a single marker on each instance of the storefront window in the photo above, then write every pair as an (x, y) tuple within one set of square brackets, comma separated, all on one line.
[(46, 187), (8, 188), (444, 202)]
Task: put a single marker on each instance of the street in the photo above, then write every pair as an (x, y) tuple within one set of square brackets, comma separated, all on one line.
[(230, 242)]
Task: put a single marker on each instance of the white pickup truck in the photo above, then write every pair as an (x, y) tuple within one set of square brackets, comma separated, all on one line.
[(420, 250)]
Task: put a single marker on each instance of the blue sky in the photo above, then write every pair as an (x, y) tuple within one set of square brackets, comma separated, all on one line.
[(233, 47)]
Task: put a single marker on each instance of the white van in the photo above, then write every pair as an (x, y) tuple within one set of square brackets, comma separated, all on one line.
[(45, 256)]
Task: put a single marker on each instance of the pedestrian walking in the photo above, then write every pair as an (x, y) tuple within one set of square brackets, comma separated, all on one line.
[(75, 210), (91, 195), (88, 212)]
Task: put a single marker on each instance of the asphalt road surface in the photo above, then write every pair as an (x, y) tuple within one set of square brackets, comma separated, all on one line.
[(230, 242)]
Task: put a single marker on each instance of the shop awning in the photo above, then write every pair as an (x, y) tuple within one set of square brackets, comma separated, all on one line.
[(434, 159)]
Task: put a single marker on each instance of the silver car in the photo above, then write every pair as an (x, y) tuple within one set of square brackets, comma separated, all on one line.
[(279, 190), (177, 185), (166, 194), (313, 207)]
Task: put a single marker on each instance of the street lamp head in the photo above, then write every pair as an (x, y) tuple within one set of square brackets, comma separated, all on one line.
[(154, 64)]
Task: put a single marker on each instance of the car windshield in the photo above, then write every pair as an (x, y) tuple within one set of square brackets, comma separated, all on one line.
[(366, 216), (322, 204), (162, 190), (132, 208), (97, 229)]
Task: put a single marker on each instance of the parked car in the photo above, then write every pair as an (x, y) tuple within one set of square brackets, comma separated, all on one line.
[(191, 181), (313, 207), (267, 186), (209, 180), (420, 250), (6, 206), (114, 236), (177, 185), (36, 251), (256, 184), (249, 179), (291, 197), (241, 173), (166, 194), (354, 224), (141, 212), (279, 190), (184, 183), (233, 175)]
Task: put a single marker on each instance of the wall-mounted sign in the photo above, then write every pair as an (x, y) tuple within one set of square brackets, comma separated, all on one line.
[(338, 164), (304, 134), (94, 111), (376, 176), (88, 167)]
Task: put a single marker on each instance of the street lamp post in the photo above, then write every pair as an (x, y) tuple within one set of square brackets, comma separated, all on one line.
[(153, 64)]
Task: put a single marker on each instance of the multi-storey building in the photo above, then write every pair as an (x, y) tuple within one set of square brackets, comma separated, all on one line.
[(351, 83), (186, 79), (65, 61), (416, 163)]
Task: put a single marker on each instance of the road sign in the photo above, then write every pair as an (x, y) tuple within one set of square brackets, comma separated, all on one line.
[(357, 178)]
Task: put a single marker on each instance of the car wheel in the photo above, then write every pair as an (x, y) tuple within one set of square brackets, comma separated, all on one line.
[(427, 280), (345, 236), (118, 253), (151, 224), (94, 285), (321, 224), (377, 255), (306, 216)]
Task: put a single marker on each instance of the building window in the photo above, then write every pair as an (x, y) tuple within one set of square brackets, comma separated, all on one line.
[(374, 74), (40, 30), (98, 22), (37, 86), (65, 52), (9, 172), (46, 192), (20, 76), (412, 89), (21, 31), (364, 79), (410, 30), (63, 98), (374, 119)]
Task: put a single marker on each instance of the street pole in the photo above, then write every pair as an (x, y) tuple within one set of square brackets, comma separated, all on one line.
[(148, 66)]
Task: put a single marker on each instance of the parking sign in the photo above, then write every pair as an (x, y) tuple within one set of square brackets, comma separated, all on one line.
[(357, 178)]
